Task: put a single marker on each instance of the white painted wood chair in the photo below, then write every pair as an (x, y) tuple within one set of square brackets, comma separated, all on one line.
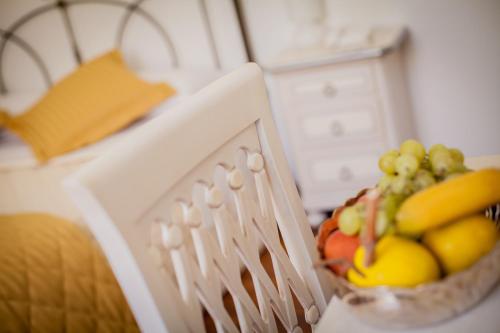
[(188, 201)]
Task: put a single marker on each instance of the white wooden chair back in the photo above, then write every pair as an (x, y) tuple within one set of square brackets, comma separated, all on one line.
[(191, 197)]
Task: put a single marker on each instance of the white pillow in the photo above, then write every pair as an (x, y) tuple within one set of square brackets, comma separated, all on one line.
[(186, 81)]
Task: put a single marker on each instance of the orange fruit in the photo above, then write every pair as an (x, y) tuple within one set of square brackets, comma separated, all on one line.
[(341, 246)]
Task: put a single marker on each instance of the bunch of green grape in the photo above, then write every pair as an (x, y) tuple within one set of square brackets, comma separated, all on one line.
[(352, 219), (407, 171)]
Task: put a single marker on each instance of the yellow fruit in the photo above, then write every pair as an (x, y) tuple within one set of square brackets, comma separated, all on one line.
[(399, 262), (460, 244), (448, 201)]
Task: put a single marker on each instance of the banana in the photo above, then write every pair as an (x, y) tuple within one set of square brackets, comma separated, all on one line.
[(448, 201)]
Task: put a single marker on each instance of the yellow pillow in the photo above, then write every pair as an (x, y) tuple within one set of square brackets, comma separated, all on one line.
[(99, 98)]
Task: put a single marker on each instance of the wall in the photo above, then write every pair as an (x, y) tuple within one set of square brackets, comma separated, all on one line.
[(452, 60)]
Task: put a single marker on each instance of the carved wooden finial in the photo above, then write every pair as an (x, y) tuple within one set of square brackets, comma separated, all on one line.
[(255, 162), (192, 216), (214, 197), (171, 236), (235, 179), (312, 315)]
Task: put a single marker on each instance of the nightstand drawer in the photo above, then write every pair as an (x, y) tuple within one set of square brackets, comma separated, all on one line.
[(341, 172), (340, 168), (341, 125), (329, 85)]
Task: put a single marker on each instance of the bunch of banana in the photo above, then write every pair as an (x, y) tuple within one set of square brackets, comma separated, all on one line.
[(448, 201)]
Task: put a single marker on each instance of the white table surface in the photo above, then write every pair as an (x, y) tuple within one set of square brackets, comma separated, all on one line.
[(479, 162), (483, 318)]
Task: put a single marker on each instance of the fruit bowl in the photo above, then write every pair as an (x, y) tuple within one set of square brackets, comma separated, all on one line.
[(426, 304)]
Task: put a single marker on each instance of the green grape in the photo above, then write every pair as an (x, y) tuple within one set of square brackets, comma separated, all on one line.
[(361, 209), (391, 229), (402, 186), (435, 148), (461, 168), (390, 205), (457, 155), (423, 179), (385, 182), (381, 224), (413, 147), (350, 221), (386, 163), (407, 165), (443, 163), (426, 164), (453, 175)]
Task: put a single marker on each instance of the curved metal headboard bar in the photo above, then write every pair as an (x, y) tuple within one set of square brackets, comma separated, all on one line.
[(9, 33), (131, 9), (208, 27), (125, 19), (70, 31), (31, 53)]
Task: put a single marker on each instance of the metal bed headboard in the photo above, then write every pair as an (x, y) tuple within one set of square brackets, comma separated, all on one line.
[(130, 9)]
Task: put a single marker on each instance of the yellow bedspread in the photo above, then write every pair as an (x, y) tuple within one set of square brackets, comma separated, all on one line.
[(54, 278)]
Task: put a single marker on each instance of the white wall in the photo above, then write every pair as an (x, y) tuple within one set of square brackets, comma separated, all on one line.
[(452, 60)]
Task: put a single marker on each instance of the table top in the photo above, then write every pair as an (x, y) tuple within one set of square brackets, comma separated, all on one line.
[(480, 162), (377, 42), (483, 318)]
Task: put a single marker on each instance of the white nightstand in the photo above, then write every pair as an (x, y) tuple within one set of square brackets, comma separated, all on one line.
[(337, 110)]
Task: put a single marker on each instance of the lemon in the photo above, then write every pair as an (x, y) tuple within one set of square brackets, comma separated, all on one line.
[(460, 244), (399, 262)]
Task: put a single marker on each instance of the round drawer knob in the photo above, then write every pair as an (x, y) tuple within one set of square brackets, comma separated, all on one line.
[(345, 174), (329, 90), (336, 128)]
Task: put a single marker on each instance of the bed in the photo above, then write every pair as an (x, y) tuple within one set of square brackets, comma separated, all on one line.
[(53, 277), (186, 44)]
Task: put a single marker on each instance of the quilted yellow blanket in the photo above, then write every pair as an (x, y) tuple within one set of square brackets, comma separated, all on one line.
[(54, 278)]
